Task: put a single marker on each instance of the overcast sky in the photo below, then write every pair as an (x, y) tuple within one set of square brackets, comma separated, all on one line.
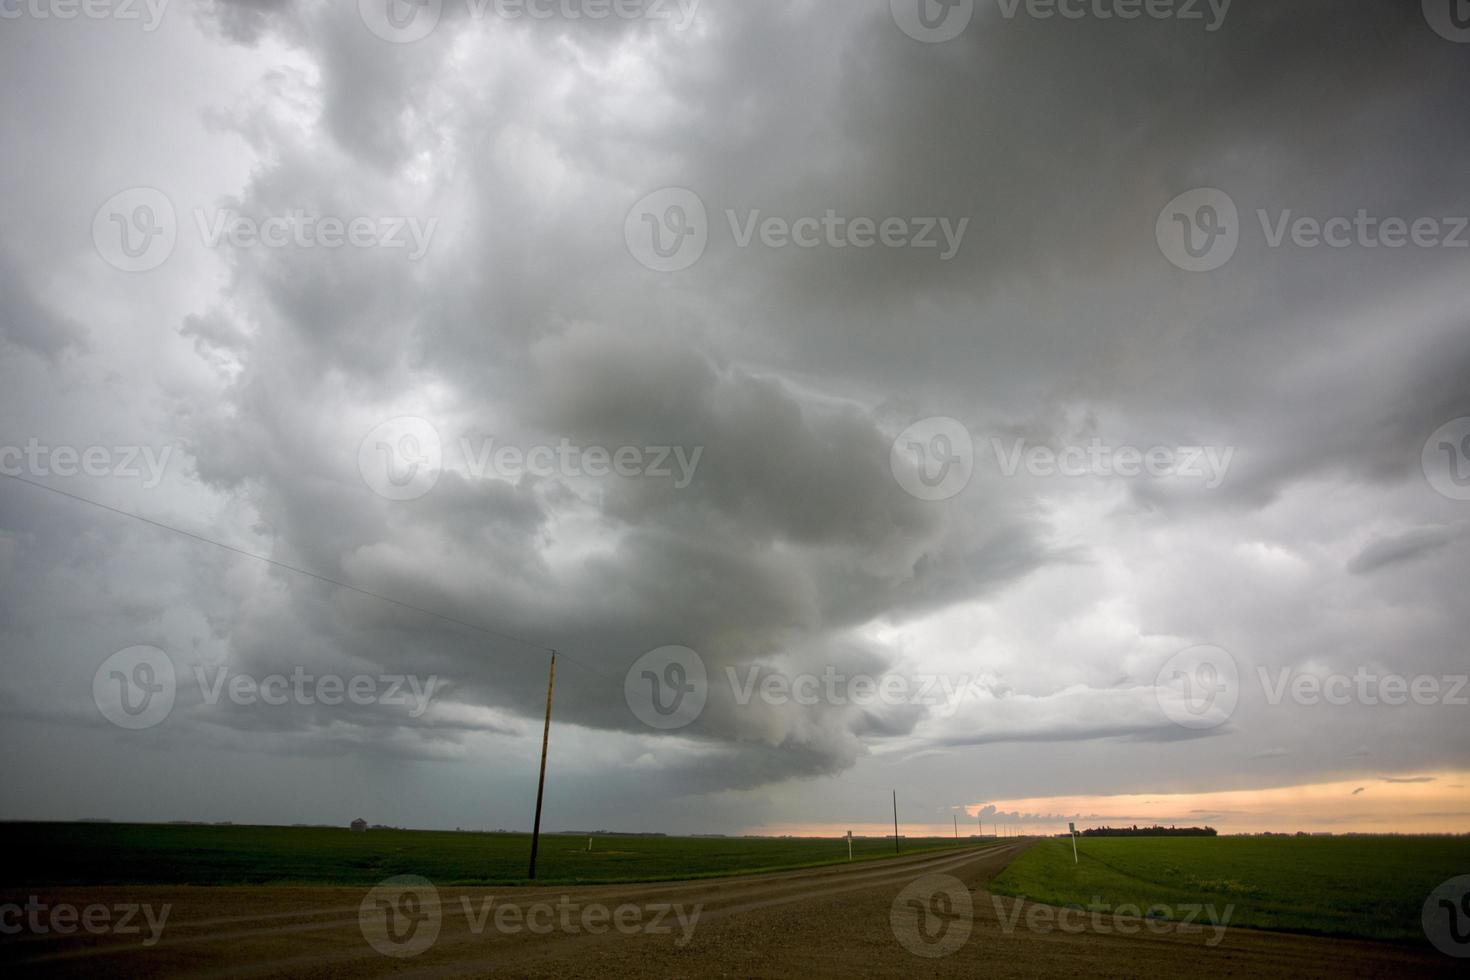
[(1038, 402)]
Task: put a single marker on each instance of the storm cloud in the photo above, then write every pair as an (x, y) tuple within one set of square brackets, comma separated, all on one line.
[(771, 380)]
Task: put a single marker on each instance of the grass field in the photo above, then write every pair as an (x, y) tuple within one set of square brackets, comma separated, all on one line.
[(102, 854), (1366, 887)]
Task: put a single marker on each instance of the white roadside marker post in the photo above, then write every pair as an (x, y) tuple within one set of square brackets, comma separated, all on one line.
[(849, 845), (1073, 828)]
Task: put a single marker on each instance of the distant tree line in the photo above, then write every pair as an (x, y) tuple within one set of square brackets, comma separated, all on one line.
[(1155, 831)]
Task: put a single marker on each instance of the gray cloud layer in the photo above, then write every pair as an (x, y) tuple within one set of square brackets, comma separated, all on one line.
[(529, 322)]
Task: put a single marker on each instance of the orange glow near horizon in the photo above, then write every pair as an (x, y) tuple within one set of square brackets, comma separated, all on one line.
[(1420, 803)]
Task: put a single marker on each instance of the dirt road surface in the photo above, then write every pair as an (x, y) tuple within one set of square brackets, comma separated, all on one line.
[(904, 917)]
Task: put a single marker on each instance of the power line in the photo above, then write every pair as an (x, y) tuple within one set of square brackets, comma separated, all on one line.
[(379, 597), (325, 579), (488, 631)]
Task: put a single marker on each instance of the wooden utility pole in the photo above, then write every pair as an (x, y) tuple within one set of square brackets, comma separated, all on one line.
[(895, 822), (956, 825), (541, 785)]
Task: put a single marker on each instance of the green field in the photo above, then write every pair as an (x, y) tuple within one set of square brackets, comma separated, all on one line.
[(1368, 887), (102, 854)]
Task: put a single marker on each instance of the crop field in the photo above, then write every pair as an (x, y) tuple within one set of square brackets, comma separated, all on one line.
[(182, 900), (166, 854), (1364, 887)]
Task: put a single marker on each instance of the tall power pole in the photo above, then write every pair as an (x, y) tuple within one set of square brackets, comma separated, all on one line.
[(541, 785), (895, 822)]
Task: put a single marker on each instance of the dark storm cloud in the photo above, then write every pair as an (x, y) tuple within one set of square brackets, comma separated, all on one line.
[(527, 322), (24, 319), (1404, 547)]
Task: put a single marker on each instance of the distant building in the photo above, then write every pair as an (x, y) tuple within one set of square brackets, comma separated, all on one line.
[(359, 826)]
